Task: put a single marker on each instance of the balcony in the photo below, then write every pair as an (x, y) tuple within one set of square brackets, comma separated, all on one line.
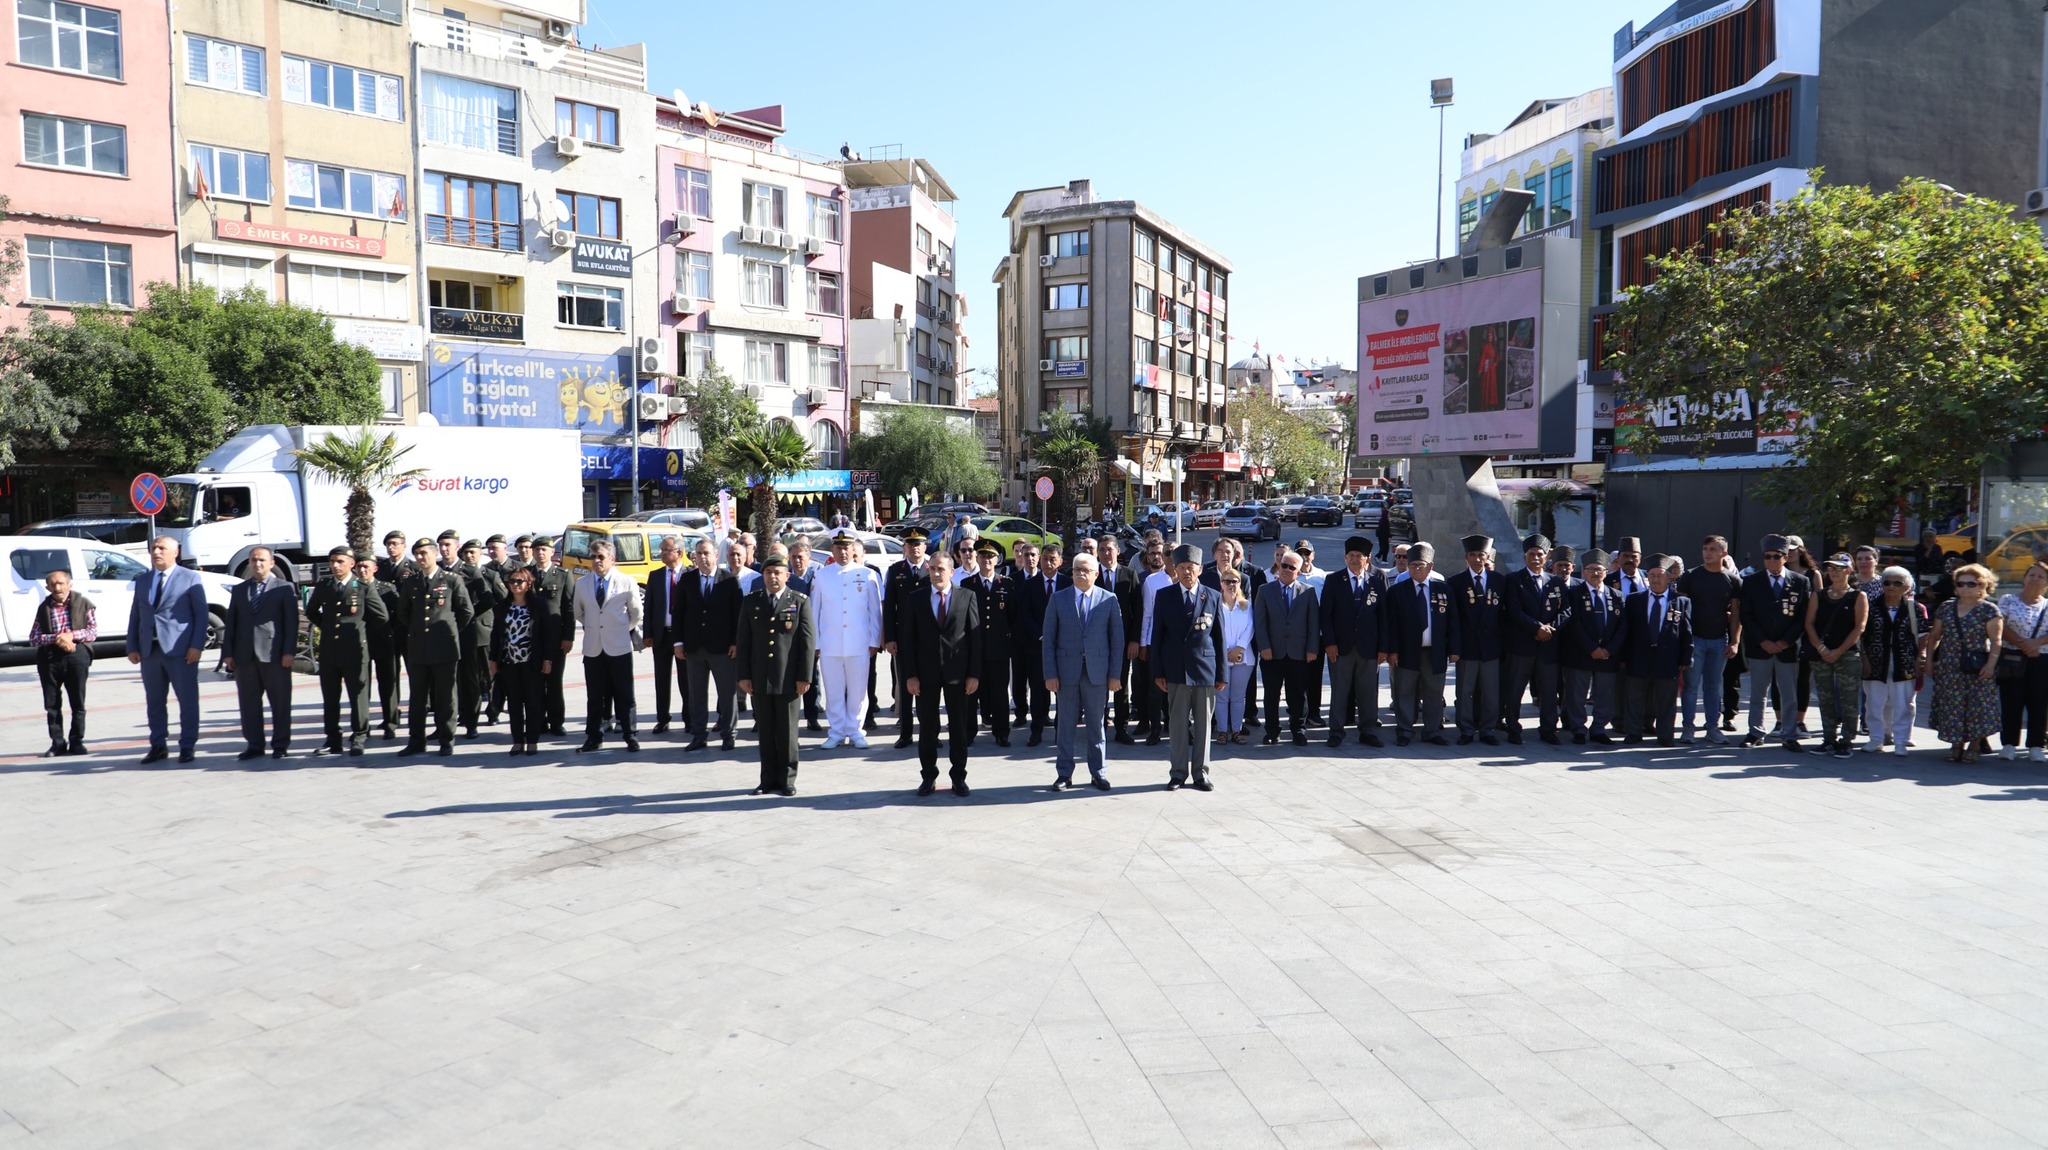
[(625, 67), (389, 11), (464, 232)]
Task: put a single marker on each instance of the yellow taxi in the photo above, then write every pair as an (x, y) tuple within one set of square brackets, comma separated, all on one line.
[(636, 544)]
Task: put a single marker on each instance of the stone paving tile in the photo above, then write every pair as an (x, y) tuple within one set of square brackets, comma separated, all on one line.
[(1716, 949)]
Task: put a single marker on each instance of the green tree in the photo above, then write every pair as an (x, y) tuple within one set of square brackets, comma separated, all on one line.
[(1902, 335), (143, 403), (1072, 449), (1294, 445), (1546, 500), (920, 447), (720, 409), (365, 463), (275, 362), (763, 457), (29, 410)]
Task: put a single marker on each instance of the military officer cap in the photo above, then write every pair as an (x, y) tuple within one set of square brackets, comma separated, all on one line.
[(544, 541), (1596, 558), (915, 535), (1471, 543), (1774, 543), (364, 558), (1536, 542), (494, 539), (986, 547), (1424, 553), (423, 544), (1187, 553), (399, 536), (472, 545), (523, 541), (1563, 551), (1630, 543), (451, 533), (339, 550), (774, 560), (839, 533)]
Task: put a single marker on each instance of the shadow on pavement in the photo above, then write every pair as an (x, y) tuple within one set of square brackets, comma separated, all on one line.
[(691, 802)]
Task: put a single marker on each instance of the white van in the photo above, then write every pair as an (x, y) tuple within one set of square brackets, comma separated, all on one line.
[(100, 572)]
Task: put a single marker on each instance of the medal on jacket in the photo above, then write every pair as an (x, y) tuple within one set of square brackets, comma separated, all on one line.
[(350, 603), (1471, 594), (789, 619), (439, 598), (1785, 605)]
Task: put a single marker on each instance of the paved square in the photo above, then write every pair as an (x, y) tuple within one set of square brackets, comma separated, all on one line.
[(1619, 949)]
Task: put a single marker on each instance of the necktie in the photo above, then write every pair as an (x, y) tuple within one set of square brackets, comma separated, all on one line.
[(1357, 586), (1048, 586), (942, 605), (600, 592), (1188, 597), (1600, 609), (706, 581), (1290, 595), (1656, 617), (156, 594)]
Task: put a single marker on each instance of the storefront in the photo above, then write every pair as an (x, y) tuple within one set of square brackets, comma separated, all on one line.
[(608, 479), (1216, 476)]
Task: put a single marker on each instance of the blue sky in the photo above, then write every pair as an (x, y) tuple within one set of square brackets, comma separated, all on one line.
[(1294, 137)]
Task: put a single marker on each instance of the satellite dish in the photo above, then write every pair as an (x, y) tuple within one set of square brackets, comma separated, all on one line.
[(705, 113), (682, 101), (564, 216)]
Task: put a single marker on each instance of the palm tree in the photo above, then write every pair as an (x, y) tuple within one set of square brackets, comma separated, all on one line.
[(1071, 449), (363, 462), (766, 456), (1546, 500)]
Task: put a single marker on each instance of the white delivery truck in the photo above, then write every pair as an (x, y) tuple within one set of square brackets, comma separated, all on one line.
[(250, 492)]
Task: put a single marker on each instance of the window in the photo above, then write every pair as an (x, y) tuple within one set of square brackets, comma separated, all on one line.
[(343, 88), (825, 219), (1561, 192), (460, 295), (1538, 210), (693, 191), (1066, 297), (693, 275), (220, 64), (824, 292), (1185, 266), (592, 215), (78, 271), (70, 37), (348, 291), (827, 370), (945, 301), (1143, 298), (829, 446), (583, 305), (77, 144), (695, 354), (1141, 350), (1486, 203), (765, 205), (922, 238), (330, 188), (924, 349), (945, 253), (767, 361), (946, 397), (230, 274), (1165, 255), (1144, 245), (472, 212), (1069, 347), (587, 122), (232, 174), (927, 294), (468, 114), (391, 386), (766, 284), (1064, 244), (1468, 219)]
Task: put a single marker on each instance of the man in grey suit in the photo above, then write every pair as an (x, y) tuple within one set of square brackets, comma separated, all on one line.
[(166, 633), (263, 631), (1084, 637), (1286, 625)]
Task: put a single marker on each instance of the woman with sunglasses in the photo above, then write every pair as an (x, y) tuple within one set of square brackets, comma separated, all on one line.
[(1891, 657), (2023, 671), (523, 641), (1961, 652), (1238, 637)]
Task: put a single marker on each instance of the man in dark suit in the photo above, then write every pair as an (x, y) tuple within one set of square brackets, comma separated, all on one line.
[(1354, 606), (1125, 584), (1628, 576), (1773, 621), (1148, 574), (903, 584), (167, 622), (1035, 592), (1476, 594), (558, 587), (1287, 622), (710, 637), (940, 644), (263, 634), (1591, 656), (1187, 666), (997, 605), (662, 616), (776, 642), (797, 553), (341, 609), (1251, 577), (1422, 643), (1658, 648), (1534, 610)]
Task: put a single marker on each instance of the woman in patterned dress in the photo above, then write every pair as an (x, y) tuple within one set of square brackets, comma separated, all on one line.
[(523, 648), (1963, 656)]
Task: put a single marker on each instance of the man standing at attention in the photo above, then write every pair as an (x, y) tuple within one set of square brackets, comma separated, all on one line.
[(941, 650), (995, 602), (435, 607), (776, 641), (263, 632), (558, 587), (1187, 666), (608, 610), (846, 605), (65, 628), (900, 588), (662, 613), (1353, 603), (1287, 619), (1083, 626), (166, 634), (341, 610)]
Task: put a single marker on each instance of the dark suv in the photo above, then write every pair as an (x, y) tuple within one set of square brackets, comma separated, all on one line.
[(1320, 512)]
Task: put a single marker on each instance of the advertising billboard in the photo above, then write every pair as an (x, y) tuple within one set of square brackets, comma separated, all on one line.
[(483, 385), (1455, 369)]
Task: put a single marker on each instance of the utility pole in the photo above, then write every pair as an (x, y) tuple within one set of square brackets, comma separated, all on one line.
[(1440, 99)]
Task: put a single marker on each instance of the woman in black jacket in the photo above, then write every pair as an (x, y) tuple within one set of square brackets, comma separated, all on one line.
[(524, 645)]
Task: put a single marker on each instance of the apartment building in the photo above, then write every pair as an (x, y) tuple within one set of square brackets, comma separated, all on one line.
[(1106, 307), (293, 145), (753, 273), (903, 220), (84, 98)]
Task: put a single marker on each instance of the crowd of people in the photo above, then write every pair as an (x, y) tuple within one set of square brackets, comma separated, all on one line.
[(1164, 646)]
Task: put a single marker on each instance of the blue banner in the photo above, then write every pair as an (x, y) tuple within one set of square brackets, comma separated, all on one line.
[(487, 385), (605, 461)]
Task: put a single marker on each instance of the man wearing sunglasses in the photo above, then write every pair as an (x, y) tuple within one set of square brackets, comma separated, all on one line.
[(1773, 618)]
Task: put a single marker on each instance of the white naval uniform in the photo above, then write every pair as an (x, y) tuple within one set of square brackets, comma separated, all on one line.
[(846, 605)]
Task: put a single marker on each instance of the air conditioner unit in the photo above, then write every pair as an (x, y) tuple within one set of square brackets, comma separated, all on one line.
[(814, 247), (678, 405), (686, 305), (945, 269), (561, 240), (686, 224), (649, 362), (1045, 365), (569, 147), (560, 31), (2037, 202), (651, 408), (815, 397), (650, 345), (945, 316), (1046, 261), (753, 391), (1187, 289), (749, 234)]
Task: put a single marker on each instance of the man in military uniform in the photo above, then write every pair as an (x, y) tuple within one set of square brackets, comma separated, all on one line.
[(996, 599), (1476, 600), (558, 587), (846, 606), (386, 638), (904, 585), (777, 641), (395, 566), (340, 610), (434, 605), (486, 593), (500, 562), (801, 576), (393, 569)]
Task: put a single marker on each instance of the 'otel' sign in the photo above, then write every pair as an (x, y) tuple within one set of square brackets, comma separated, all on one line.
[(147, 494)]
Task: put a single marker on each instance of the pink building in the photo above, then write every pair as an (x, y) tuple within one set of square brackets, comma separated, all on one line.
[(86, 145)]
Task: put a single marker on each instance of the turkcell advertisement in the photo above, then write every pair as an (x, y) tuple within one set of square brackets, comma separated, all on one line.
[(1454, 369), (486, 385)]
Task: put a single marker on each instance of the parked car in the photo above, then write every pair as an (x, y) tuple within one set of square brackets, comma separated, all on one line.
[(99, 571), (1319, 511), (946, 509), (1371, 506), (880, 552), (1289, 509), (1402, 528), (126, 533), (694, 518), (636, 545), (1249, 522), (1210, 515), (1005, 530), (1171, 511), (790, 526)]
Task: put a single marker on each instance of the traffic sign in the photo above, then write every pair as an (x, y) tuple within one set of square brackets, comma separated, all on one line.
[(1044, 487), (147, 494)]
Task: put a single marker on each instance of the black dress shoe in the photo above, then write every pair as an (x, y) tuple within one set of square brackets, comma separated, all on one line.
[(445, 750), (247, 754), (1551, 738), (814, 726), (355, 752), (1370, 739), (558, 730), (1124, 737), (1174, 784), (278, 753), (1034, 739), (1632, 740), (1203, 784), (1602, 738), (868, 724), (1515, 738), (75, 749), (632, 745), (1467, 740), (1337, 740), (1099, 783), (902, 741), (661, 728), (1301, 738), (926, 787), (412, 749), (1002, 740), (758, 791), (1436, 741), (589, 745), (1490, 740), (1579, 738), (390, 733), (325, 749), (1401, 740), (1271, 738), (469, 731), (57, 752), (1059, 785), (1753, 740), (1152, 740), (787, 792), (1792, 747), (696, 743), (961, 790), (184, 756), (1667, 742), (726, 743)]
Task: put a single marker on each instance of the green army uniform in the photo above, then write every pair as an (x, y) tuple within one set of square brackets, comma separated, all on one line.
[(777, 642), (558, 587), (387, 639), (437, 612), (341, 611), (473, 674), (395, 572), (495, 702)]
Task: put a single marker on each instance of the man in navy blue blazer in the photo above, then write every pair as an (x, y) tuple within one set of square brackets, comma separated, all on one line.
[(1354, 609), (1591, 657), (166, 634), (1658, 648), (1422, 641), (1187, 665)]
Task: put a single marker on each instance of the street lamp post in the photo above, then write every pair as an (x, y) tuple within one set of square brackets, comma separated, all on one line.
[(1440, 99)]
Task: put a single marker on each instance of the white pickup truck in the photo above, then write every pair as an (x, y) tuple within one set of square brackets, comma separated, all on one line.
[(100, 572)]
